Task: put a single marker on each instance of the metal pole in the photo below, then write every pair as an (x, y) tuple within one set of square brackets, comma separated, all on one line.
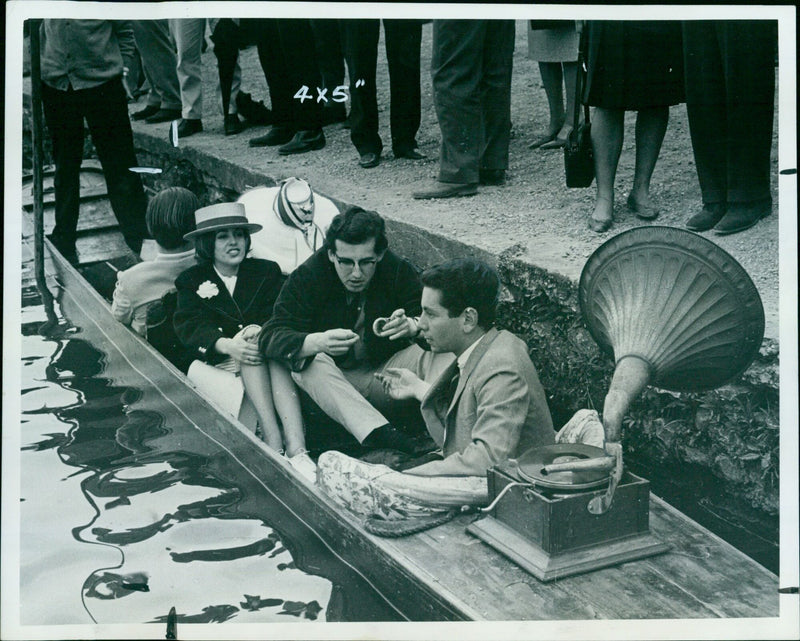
[(37, 133)]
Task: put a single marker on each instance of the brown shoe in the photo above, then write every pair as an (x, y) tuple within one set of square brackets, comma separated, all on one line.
[(741, 216), (303, 141), (709, 216), (447, 190)]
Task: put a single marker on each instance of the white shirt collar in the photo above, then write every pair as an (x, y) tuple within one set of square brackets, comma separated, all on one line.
[(462, 360), (228, 281)]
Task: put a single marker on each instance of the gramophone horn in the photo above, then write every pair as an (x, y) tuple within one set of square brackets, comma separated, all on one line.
[(674, 309), (675, 300)]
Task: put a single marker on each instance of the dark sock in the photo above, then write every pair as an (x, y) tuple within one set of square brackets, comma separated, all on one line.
[(388, 437)]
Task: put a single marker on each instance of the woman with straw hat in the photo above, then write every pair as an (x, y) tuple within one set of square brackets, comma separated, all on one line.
[(222, 303)]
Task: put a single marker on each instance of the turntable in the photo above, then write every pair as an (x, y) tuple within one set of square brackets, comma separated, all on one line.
[(675, 311), (540, 514)]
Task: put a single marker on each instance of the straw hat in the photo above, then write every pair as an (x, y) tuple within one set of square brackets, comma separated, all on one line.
[(222, 216)]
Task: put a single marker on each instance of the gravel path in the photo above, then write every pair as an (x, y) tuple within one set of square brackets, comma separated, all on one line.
[(533, 208)]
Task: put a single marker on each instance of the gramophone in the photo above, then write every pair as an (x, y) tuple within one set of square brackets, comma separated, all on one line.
[(675, 311)]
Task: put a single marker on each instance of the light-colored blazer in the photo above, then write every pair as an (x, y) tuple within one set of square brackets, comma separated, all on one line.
[(499, 409), (144, 283)]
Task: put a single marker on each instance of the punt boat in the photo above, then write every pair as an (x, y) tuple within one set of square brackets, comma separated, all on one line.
[(443, 573)]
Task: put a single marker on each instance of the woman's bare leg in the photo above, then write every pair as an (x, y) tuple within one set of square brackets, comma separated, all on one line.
[(287, 403), (607, 134), (651, 125), (258, 388)]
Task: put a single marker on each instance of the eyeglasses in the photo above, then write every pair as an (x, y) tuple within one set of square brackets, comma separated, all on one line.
[(348, 264)]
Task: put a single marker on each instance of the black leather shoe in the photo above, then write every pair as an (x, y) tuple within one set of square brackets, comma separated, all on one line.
[(148, 111), (369, 160), (710, 215), (411, 154), (303, 141), (277, 135), (163, 115), (189, 126), (390, 438), (741, 216), (447, 190), (233, 125), (492, 176), (252, 111)]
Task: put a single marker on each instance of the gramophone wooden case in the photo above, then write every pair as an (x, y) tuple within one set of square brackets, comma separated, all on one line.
[(552, 534)]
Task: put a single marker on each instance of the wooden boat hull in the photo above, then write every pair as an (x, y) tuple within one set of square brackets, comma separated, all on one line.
[(445, 573)]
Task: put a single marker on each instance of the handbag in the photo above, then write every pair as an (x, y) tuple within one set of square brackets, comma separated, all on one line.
[(578, 155)]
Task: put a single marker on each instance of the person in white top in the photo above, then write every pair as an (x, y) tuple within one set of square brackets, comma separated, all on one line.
[(294, 221)]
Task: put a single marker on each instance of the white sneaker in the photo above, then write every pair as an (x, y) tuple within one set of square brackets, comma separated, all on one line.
[(303, 463)]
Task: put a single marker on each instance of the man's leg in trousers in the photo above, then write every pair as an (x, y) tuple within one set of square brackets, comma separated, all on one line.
[(329, 54), (107, 115), (749, 67), (273, 64), (297, 42), (189, 34), (159, 61), (498, 56), (361, 52), (403, 40), (456, 72), (62, 110), (705, 108), (330, 388), (226, 50)]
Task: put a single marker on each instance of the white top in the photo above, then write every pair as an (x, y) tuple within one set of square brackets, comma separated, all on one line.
[(228, 281), (287, 246)]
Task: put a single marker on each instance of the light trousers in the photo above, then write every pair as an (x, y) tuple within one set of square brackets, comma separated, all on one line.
[(159, 62), (189, 34), (354, 397)]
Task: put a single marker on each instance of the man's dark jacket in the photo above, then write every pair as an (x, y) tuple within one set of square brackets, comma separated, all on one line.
[(313, 299)]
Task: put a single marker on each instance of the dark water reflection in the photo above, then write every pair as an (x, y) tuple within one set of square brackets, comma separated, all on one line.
[(164, 516)]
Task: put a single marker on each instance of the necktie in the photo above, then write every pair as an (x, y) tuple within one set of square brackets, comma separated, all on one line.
[(452, 386)]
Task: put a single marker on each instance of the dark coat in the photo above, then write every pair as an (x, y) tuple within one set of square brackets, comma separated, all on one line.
[(201, 321), (314, 300)]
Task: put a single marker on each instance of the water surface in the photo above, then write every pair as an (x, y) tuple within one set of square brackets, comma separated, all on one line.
[(127, 510)]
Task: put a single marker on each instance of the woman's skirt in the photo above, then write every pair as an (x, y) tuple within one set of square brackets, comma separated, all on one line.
[(559, 44), (634, 65)]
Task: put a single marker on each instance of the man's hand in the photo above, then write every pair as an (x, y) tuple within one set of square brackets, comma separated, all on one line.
[(397, 326), (333, 342), (240, 349), (400, 383)]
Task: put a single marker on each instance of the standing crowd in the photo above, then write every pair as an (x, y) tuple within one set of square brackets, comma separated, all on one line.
[(279, 293)]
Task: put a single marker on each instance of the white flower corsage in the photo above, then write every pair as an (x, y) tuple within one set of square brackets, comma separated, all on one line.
[(207, 290)]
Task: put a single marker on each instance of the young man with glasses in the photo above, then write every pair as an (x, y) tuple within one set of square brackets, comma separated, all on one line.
[(345, 314)]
